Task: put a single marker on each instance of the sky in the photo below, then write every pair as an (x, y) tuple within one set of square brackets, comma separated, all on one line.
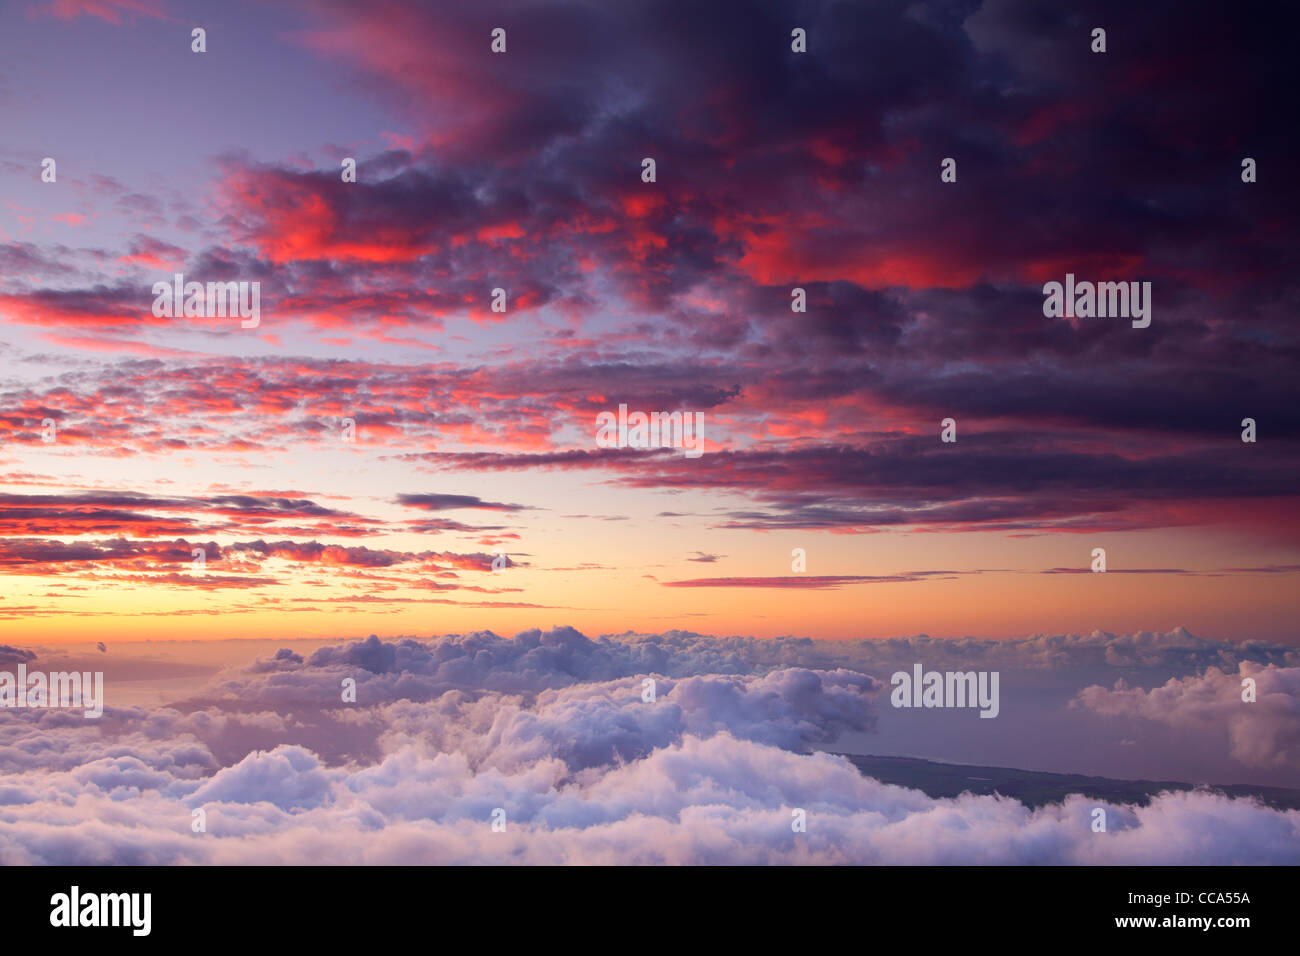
[(775, 170), (841, 261)]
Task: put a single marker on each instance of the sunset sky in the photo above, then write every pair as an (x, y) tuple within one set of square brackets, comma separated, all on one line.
[(522, 171)]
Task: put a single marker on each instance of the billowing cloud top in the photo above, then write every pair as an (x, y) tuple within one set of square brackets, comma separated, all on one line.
[(559, 732)]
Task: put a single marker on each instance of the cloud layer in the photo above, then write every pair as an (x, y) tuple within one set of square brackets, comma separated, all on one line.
[(1263, 732), (558, 731)]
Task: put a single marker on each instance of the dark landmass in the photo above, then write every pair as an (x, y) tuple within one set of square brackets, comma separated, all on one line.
[(1035, 788)]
